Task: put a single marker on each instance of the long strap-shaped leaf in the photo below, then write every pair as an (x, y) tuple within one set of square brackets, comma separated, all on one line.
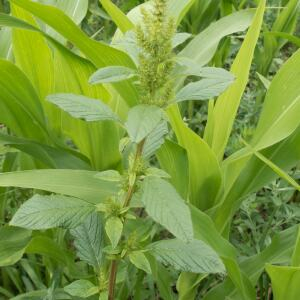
[(76, 183), (227, 104), (255, 175), (121, 20), (98, 53), (20, 108)]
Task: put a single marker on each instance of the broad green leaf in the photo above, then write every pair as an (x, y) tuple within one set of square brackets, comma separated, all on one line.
[(120, 19), (33, 54), (285, 282), (173, 159), (49, 248), (6, 45), (155, 172), (295, 261), (202, 48), (192, 68), (291, 38), (19, 104), (278, 171), (114, 228), (13, 244), (75, 9), (140, 260), (71, 76), (82, 107), (41, 294), (194, 256), (43, 212), (166, 207), (227, 104), (142, 120), (281, 110), (155, 139), (81, 288), (204, 89), (204, 170), (253, 175), (111, 74), (53, 157), (109, 175), (89, 240), (278, 252), (187, 285), (178, 9), (180, 38), (206, 231), (89, 47), (76, 183)]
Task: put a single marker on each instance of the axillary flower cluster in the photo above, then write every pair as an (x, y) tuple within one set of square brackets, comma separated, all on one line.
[(156, 61)]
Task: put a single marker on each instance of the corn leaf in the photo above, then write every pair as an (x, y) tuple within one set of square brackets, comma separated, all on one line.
[(227, 104), (80, 184)]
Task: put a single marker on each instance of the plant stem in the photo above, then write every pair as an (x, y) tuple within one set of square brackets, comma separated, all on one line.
[(112, 279), (129, 194)]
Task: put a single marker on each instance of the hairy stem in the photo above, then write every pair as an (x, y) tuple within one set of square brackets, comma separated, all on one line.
[(128, 196)]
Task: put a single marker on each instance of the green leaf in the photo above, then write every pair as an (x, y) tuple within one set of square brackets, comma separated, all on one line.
[(76, 183), (203, 163), (19, 104), (13, 244), (277, 170), (114, 228), (89, 47), (111, 74), (139, 259), (109, 175), (81, 288), (75, 9), (281, 109), (155, 172), (6, 46), (121, 20), (155, 139), (142, 120), (194, 256), (87, 136), (203, 90), (206, 231), (89, 240), (278, 252), (265, 81), (49, 248), (285, 281), (180, 38), (165, 206), (291, 38), (203, 47), (173, 159), (43, 212), (32, 54), (82, 107), (41, 294), (227, 104), (192, 68), (252, 176), (53, 157)]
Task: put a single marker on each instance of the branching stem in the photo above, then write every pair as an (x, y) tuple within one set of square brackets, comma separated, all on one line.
[(128, 197)]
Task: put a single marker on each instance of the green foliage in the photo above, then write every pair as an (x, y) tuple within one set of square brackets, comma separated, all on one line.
[(129, 201), (43, 212)]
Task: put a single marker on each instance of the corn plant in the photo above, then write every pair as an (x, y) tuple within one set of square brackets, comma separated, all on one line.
[(127, 200)]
